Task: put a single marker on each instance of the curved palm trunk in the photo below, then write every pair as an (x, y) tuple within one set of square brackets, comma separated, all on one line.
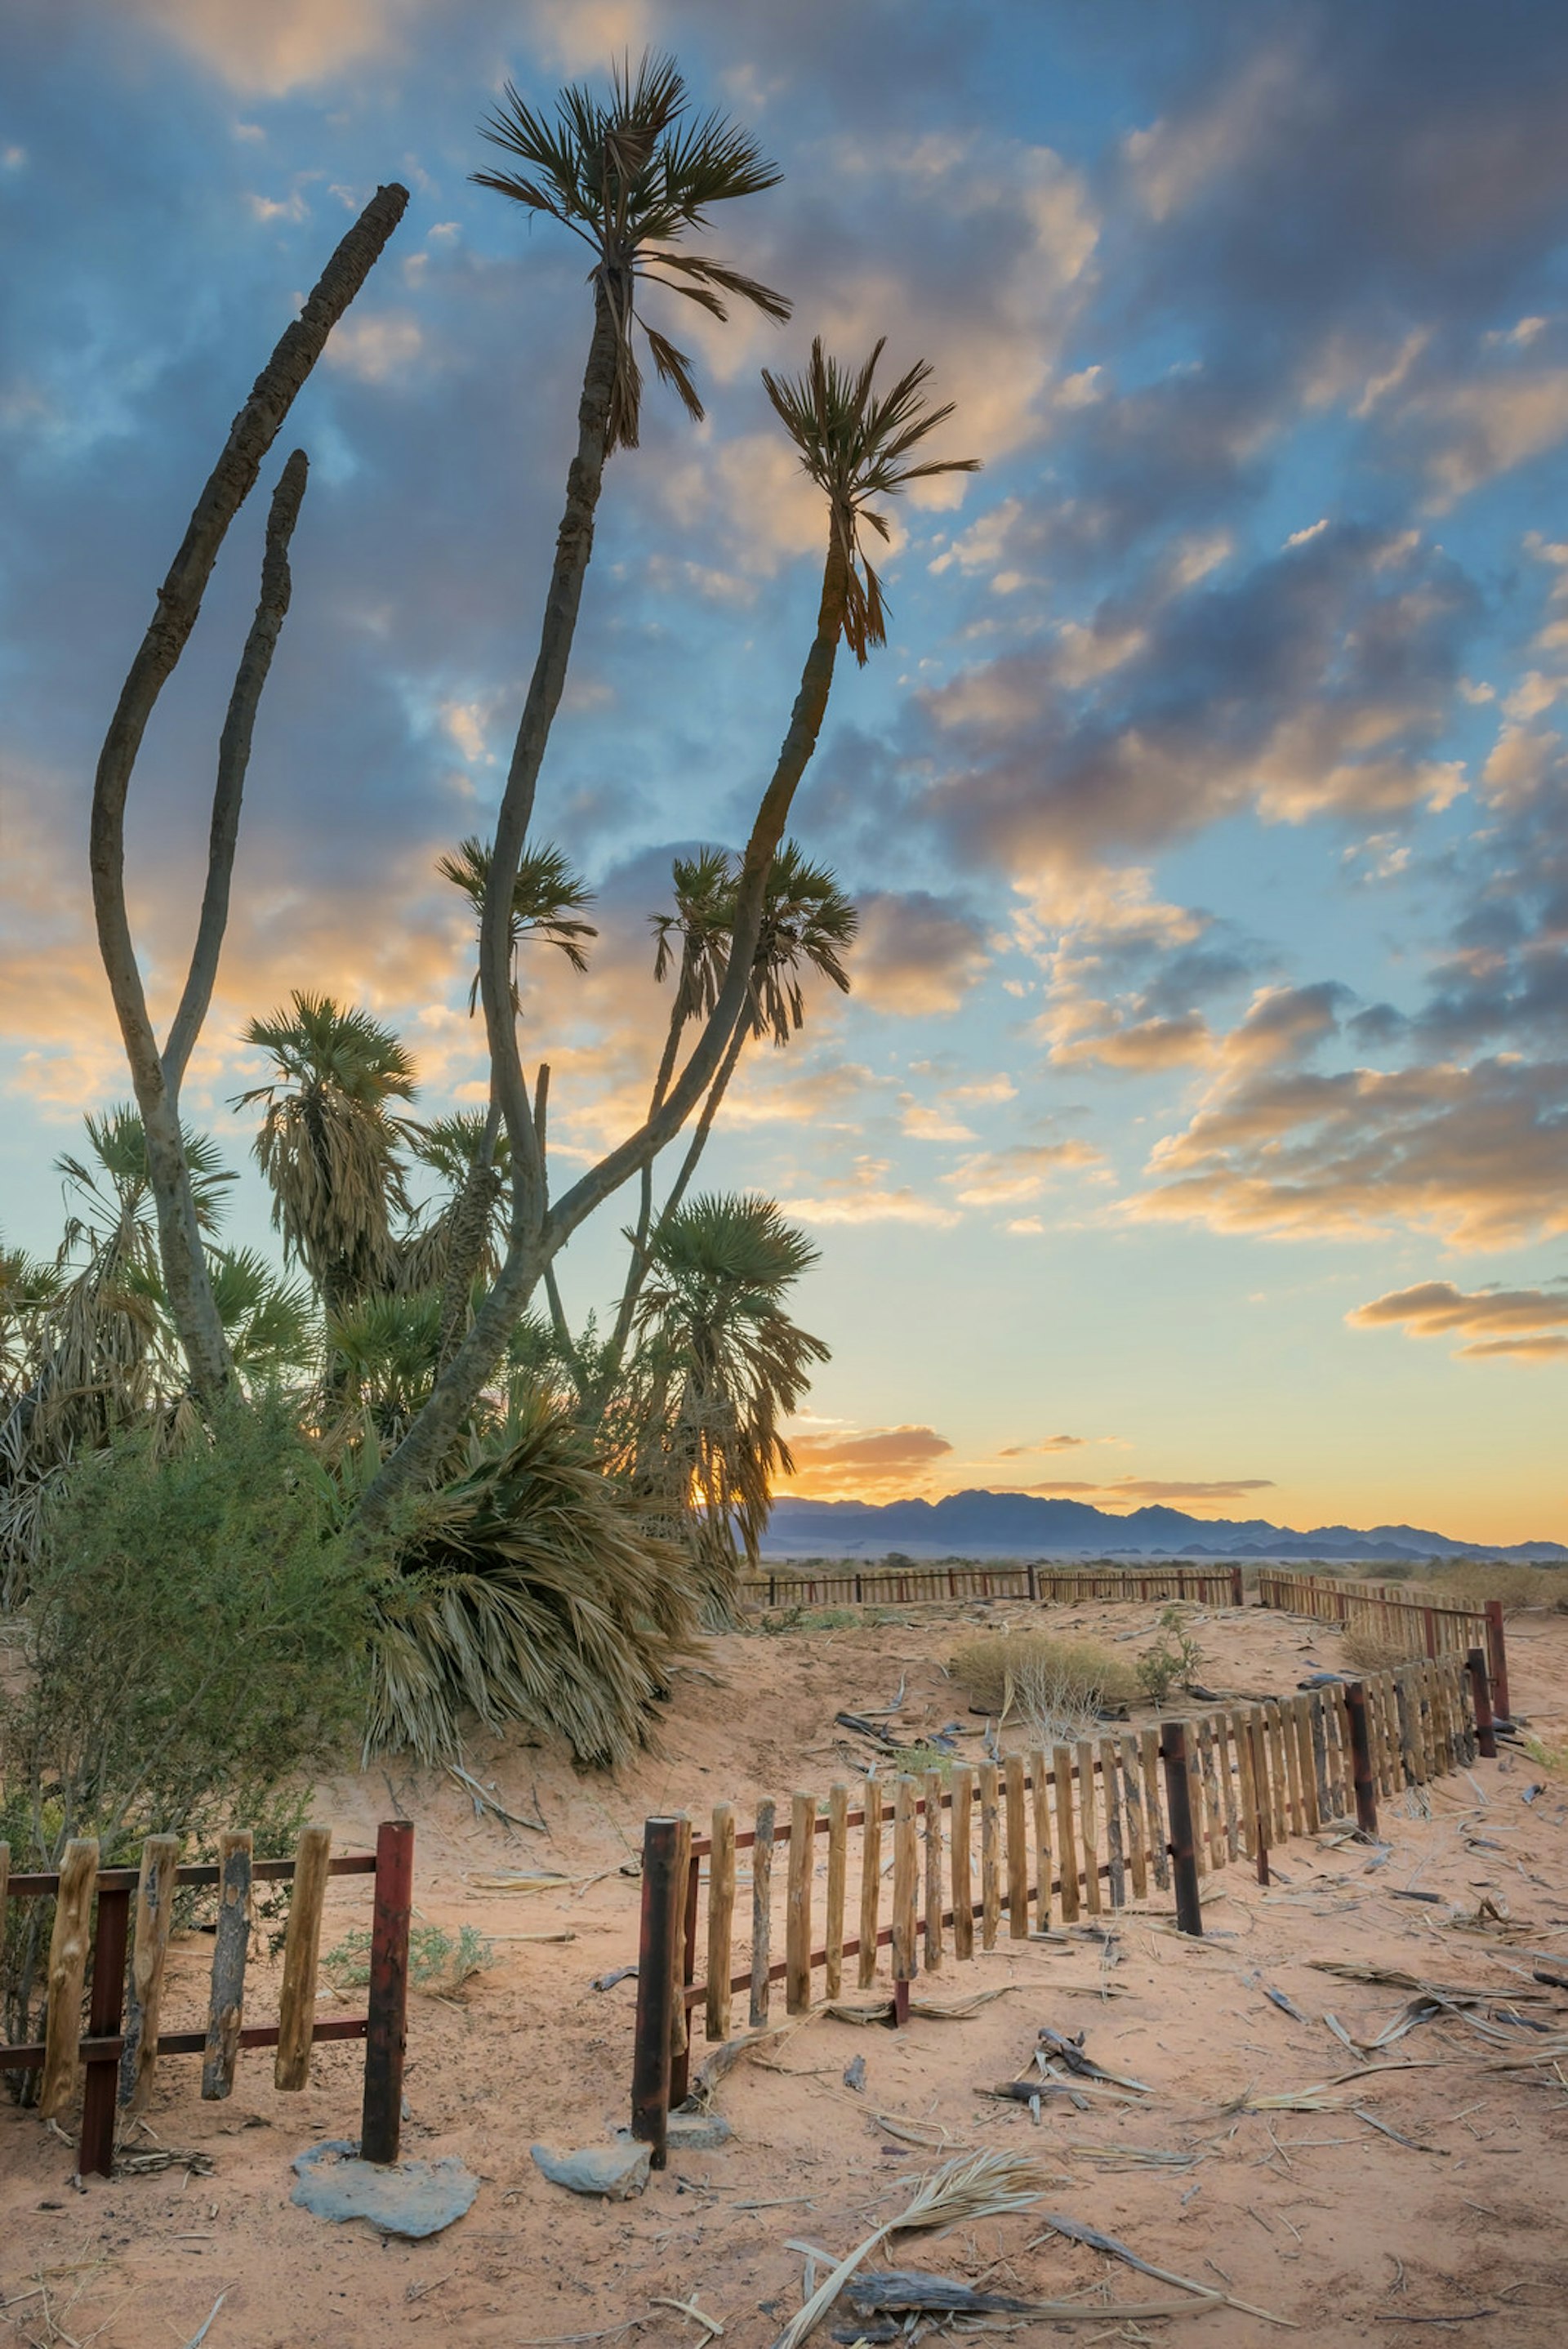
[(157, 1085), (573, 550), (534, 1243), (470, 1229)]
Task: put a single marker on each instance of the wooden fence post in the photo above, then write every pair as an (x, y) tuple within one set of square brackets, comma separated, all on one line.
[(797, 1906), (386, 2025), (1497, 1660), (680, 2040), (1361, 1758), (302, 1942), (231, 1947), (1179, 1809), (96, 2159), (150, 1951), (68, 1946), (658, 1968), (1485, 1728)]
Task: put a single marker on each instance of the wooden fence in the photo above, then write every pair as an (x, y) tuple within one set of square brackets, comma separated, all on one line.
[(1407, 1623), (1038, 1839), (113, 2061), (907, 1585)]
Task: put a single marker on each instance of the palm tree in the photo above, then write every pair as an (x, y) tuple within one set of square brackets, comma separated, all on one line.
[(631, 179), (328, 1142), (806, 921), (546, 896), (719, 1365), (856, 445)]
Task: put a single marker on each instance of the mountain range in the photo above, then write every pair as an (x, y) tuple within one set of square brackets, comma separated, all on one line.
[(1014, 1524)]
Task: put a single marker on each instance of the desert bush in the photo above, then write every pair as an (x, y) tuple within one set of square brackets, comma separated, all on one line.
[(1372, 1651), (438, 1962), (191, 1653), (1468, 1582), (1056, 1687), (1175, 1657)]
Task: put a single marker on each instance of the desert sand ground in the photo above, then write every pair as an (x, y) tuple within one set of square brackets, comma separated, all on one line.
[(1334, 2226)]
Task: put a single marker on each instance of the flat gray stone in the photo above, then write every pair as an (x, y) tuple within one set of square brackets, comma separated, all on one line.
[(617, 2171), (401, 2198), (697, 2132)]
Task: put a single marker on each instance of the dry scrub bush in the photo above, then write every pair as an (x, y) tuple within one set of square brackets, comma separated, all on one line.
[(1372, 1651), (1055, 1687), (1470, 1583)]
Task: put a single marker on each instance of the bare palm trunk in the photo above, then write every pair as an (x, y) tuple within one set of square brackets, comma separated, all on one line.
[(157, 1084), (534, 1242)]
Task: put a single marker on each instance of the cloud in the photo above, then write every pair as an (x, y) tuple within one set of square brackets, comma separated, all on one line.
[(1139, 1491), (287, 43), (917, 956), (863, 1196), (1046, 1444), (1529, 1324), (868, 1464), (990, 1178)]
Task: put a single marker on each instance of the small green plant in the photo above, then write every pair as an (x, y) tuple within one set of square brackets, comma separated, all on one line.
[(1174, 1658), (914, 1760), (1553, 1758), (811, 1618), (439, 1961)]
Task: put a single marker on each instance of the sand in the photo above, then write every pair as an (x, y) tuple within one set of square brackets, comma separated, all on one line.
[(1350, 2235)]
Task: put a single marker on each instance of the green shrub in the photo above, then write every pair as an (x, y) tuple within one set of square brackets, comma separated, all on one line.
[(1468, 1582), (439, 1961), (1175, 1657), (192, 1651)]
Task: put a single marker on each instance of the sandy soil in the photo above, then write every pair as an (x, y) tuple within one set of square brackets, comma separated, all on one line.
[(1348, 2233)]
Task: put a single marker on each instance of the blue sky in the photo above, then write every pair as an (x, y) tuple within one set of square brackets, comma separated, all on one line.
[(1197, 1125)]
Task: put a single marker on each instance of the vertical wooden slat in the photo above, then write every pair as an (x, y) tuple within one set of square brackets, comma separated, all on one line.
[(1018, 1849), (1137, 1826), (1409, 1757), (1115, 1848), (5, 1885), (1297, 1800), (301, 1944), (720, 1921), (1300, 1729), (871, 1883), (1248, 1785), (687, 1875), (798, 1912), (1279, 1778), (905, 1880), (1040, 1805), (658, 1971), (963, 1875), (1067, 1833), (990, 1855), (1091, 1892), (149, 1948), (1213, 1808), (68, 1946), (226, 2004), (1195, 1807), (762, 1915), (1153, 1816), (1227, 1782), (933, 1934), (838, 1869)]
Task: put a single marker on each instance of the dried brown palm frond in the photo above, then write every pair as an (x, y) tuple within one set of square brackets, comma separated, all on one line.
[(528, 1591), (971, 2187)]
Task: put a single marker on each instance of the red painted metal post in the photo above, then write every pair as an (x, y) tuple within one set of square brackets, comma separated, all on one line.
[(387, 2029), (1361, 1758), (96, 2159), (1179, 1810), (1485, 1729), (658, 1969), (1497, 1660)]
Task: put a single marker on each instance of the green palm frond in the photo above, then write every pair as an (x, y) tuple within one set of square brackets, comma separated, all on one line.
[(530, 1593), (328, 1142), (547, 898), (807, 921), (719, 1366), (630, 178), (854, 445), (269, 1324)]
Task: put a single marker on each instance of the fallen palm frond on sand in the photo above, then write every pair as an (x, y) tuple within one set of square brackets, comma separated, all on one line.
[(979, 2185), (925, 2009)]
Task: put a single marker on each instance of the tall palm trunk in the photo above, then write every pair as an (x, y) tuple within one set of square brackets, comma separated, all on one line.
[(573, 549), (534, 1242)]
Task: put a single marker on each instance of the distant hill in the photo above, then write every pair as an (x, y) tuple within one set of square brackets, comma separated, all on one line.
[(1014, 1524)]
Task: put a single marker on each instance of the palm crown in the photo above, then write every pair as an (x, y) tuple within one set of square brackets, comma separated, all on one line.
[(631, 179), (806, 919), (546, 898), (854, 444)]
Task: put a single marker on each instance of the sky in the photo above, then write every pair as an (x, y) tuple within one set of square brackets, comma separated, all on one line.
[(1197, 1124)]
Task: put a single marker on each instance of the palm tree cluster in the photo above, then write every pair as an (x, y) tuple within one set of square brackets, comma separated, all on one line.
[(555, 1506)]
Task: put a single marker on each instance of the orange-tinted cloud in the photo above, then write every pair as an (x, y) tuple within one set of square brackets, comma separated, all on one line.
[(1530, 1324), (870, 1464), (916, 955), (1134, 1492), (1046, 1444)]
